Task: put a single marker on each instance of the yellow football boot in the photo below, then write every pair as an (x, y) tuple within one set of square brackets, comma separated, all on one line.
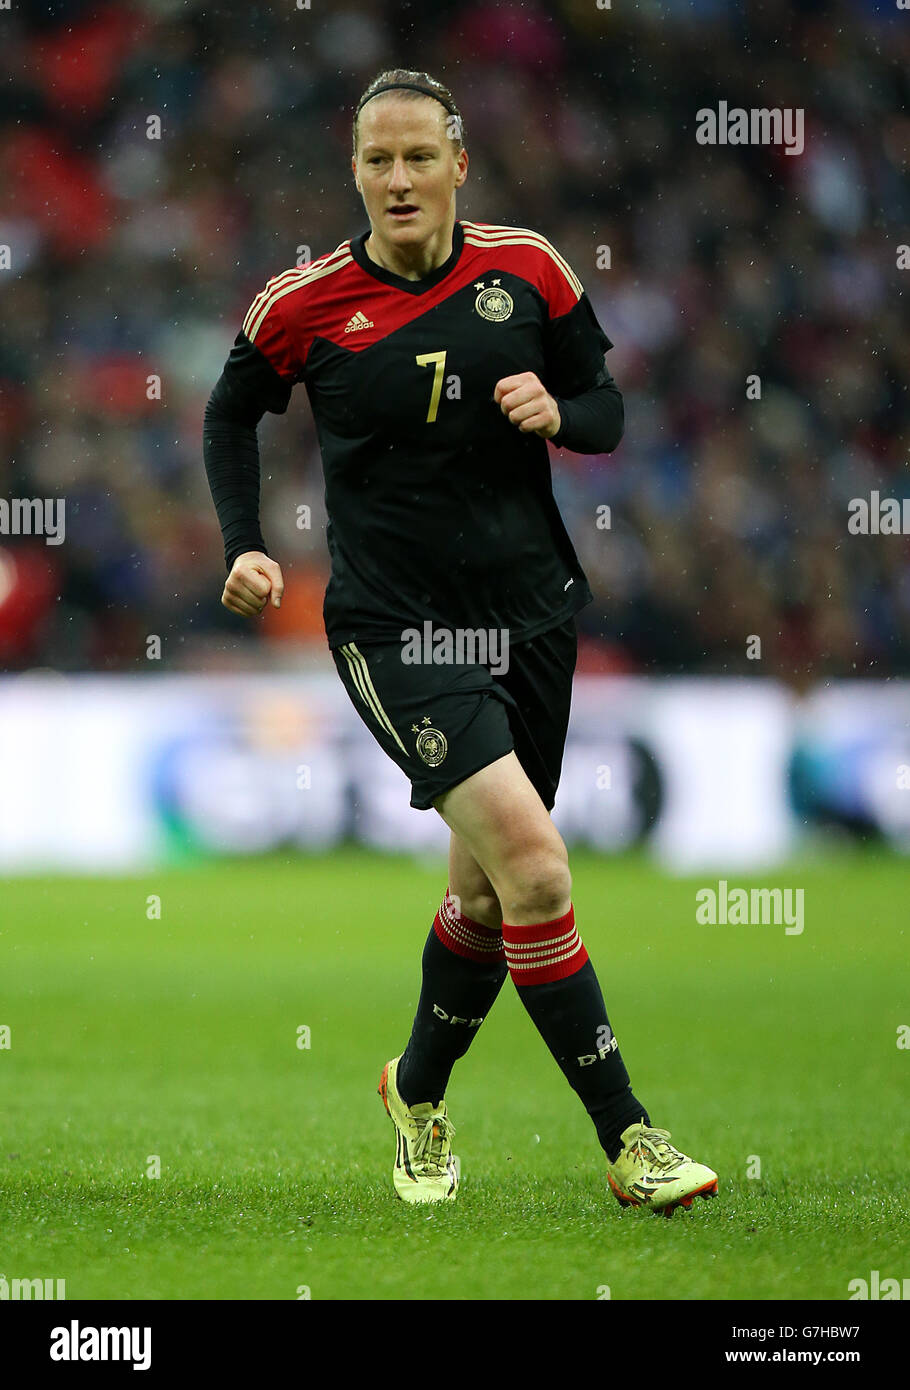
[(425, 1168), (651, 1173)]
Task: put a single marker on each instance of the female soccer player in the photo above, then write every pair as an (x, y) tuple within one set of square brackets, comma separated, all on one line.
[(439, 356)]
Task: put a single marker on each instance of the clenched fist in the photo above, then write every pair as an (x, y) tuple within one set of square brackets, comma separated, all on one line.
[(528, 404), (253, 579)]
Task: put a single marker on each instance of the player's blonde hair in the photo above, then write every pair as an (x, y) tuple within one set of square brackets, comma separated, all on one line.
[(426, 86)]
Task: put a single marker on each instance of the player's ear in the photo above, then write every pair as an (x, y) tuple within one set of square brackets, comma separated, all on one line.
[(354, 172), (461, 164)]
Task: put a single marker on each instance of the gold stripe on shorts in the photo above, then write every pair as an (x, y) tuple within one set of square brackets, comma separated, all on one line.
[(361, 677)]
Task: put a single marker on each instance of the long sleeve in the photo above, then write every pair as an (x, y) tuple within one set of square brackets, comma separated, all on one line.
[(590, 403), (593, 422), (246, 389)]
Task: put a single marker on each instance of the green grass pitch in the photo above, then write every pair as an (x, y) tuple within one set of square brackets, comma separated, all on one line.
[(132, 1037)]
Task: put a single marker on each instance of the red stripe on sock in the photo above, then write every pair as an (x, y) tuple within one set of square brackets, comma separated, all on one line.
[(465, 937), (545, 951)]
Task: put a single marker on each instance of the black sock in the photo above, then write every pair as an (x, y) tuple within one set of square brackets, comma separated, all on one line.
[(463, 971), (569, 1013)]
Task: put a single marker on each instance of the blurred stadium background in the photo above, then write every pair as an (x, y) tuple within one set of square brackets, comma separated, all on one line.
[(133, 258)]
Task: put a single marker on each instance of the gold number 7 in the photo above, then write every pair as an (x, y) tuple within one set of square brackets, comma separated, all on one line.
[(424, 360)]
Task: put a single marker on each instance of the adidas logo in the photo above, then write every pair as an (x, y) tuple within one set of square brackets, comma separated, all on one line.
[(359, 320)]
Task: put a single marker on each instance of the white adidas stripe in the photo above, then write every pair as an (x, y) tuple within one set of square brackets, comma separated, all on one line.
[(520, 236), (555, 959), (289, 281), (529, 947), (467, 936), (536, 954), (494, 234), (276, 283)]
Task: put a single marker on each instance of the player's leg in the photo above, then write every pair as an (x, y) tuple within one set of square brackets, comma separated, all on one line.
[(463, 968), (438, 723), (500, 824), (500, 817), (470, 888)]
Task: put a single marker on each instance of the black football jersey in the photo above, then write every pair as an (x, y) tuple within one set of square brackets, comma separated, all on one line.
[(439, 509)]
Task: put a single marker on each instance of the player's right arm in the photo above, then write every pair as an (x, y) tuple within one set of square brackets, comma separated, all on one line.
[(249, 386)]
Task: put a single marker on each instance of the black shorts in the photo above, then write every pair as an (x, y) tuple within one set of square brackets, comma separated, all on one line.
[(442, 723)]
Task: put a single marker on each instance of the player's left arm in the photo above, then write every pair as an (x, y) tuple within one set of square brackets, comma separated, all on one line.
[(578, 405)]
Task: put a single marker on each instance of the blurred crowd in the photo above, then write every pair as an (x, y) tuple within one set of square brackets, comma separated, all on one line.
[(133, 259)]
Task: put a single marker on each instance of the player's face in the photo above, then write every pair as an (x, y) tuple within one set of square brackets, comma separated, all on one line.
[(407, 169)]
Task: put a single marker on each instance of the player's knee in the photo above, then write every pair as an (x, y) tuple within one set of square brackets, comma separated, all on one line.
[(483, 908), (538, 888)]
